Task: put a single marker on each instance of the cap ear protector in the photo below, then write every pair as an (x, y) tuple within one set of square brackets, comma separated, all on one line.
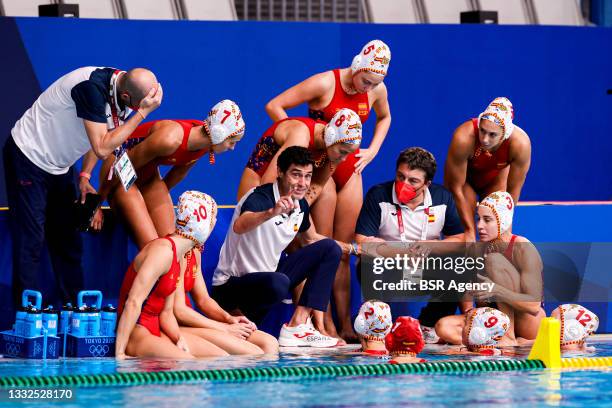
[(220, 132), (224, 120)]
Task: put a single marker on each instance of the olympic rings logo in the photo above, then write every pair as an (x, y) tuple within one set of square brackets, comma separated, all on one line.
[(98, 350), (13, 349)]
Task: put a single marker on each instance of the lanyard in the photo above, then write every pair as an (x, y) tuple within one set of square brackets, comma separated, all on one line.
[(113, 98), (400, 224), (112, 93)]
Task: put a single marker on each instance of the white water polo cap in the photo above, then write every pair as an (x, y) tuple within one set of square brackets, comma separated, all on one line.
[(224, 121), (374, 57), (196, 216), (485, 326), (374, 320), (345, 127), (577, 323)]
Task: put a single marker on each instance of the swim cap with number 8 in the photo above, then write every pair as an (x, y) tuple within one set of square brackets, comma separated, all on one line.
[(344, 127)]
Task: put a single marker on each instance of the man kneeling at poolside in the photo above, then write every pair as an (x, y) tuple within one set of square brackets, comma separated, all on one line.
[(251, 277)]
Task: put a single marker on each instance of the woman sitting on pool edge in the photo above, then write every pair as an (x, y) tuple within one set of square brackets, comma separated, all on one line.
[(147, 326), (514, 265)]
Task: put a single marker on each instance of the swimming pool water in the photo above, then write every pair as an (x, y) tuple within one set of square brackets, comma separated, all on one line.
[(533, 388)]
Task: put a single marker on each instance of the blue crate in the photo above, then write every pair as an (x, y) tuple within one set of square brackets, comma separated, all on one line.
[(12, 345), (99, 346)]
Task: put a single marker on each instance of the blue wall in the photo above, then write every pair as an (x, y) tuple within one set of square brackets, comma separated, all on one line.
[(440, 76)]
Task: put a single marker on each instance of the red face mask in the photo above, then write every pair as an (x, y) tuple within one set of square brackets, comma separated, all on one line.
[(404, 192)]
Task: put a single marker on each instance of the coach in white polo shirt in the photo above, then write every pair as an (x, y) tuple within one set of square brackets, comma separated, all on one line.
[(251, 277), (86, 109), (411, 208)]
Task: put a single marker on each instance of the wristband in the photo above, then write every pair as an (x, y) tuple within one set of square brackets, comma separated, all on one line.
[(86, 175)]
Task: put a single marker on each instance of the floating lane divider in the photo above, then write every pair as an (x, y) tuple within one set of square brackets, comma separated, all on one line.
[(268, 373), (545, 353)]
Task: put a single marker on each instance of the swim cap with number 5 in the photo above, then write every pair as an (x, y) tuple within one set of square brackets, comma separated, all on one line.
[(374, 57)]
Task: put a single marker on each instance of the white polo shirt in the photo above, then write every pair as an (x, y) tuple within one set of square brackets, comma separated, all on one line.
[(51, 134), (260, 249), (435, 217)]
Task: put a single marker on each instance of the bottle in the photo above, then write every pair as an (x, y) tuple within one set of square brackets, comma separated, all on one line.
[(79, 322), (93, 321), (65, 321), (20, 317), (50, 320), (33, 322), (109, 321)]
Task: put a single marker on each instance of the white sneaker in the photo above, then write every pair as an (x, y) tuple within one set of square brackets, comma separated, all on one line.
[(304, 335), (429, 335)]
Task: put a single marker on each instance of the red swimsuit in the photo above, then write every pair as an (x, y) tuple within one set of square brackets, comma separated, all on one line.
[(182, 156), (483, 166), (190, 274), (266, 147), (358, 103), (154, 303)]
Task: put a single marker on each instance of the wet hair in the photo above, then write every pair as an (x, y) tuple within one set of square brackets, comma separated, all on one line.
[(418, 158), (296, 155)]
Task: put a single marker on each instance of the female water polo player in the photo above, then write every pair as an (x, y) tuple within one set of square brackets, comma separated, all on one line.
[(360, 88), (147, 325), (329, 144), (577, 324), (514, 265), (405, 341), (486, 154), (147, 206), (372, 324)]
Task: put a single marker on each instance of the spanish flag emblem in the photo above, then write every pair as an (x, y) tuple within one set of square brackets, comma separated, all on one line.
[(362, 109), (431, 216)]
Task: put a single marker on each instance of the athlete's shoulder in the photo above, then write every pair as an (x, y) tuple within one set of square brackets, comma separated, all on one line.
[(464, 139), (519, 138), (170, 131), (295, 127), (322, 80)]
